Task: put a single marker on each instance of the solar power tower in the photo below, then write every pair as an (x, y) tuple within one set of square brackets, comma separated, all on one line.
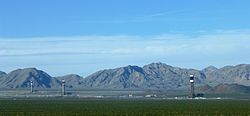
[(63, 87), (191, 79), (31, 87)]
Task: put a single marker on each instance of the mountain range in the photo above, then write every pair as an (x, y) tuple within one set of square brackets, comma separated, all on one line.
[(153, 76)]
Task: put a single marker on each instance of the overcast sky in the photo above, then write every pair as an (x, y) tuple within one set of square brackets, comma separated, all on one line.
[(84, 36)]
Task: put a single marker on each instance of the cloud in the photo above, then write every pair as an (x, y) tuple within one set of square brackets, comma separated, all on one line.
[(168, 44), (217, 48), (156, 16)]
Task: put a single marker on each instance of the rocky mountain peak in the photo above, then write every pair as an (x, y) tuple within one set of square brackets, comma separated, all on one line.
[(129, 69), (157, 65), (22, 77), (210, 69), (2, 73)]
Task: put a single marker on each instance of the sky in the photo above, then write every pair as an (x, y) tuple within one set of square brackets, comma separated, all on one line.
[(83, 36)]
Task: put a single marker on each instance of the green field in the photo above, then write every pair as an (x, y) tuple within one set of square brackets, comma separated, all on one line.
[(129, 107)]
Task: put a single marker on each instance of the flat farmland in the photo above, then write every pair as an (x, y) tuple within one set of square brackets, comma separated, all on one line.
[(123, 107)]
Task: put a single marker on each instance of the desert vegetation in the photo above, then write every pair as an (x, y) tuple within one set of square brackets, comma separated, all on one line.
[(128, 107)]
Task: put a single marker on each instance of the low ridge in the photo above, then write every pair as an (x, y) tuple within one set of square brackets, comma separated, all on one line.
[(151, 76)]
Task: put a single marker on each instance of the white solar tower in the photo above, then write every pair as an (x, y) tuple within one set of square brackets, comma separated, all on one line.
[(191, 77), (63, 87), (31, 87)]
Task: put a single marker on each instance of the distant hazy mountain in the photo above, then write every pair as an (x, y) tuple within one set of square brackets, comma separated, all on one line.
[(2, 74), (119, 78), (169, 77), (231, 88), (225, 88), (151, 76), (239, 74), (162, 76), (21, 78), (72, 80)]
